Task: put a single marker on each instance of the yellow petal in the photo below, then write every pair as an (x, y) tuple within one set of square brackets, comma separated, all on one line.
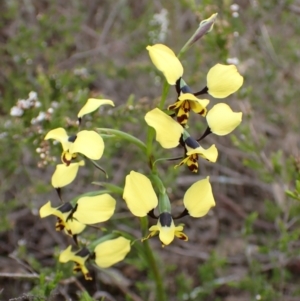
[(166, 61), (111, 251), (73, 227), (66, 255), (60, 135), (92, 105), (198, 199), (223, 80), (168, 131), (47, 210), (139, 194), (222, 120), (95, 209), (88, 143), (80, 257), (210, 154), (64, 175)]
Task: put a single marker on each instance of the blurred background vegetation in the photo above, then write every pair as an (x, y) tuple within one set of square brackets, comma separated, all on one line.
[(55, 54)]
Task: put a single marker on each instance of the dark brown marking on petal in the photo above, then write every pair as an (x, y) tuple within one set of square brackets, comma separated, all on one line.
[(77, 267), (59, 226), (193, 166), (182, 119), (172, 107), (65, 160), (165, 219), (202, 112), (88, 276), (183, 237), (186, 106)]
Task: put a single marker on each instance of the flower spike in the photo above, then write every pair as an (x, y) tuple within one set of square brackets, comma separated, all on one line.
[(187, 102), (79, 257)]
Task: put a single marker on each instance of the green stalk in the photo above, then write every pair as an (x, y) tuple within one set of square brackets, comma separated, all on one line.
[(160, 291)]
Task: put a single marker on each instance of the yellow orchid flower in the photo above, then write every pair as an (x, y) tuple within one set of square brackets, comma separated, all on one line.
[(71, 227), (111, 251), (79, 257), (187, 102), (105, 254), (222, 120), (167, 230), (88, 210), (194, 150), (88, 143), (168, 131)]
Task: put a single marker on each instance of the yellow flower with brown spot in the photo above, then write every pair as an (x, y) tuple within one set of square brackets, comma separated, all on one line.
[(62, 212), (187, 102), (193, 151), (80, 258), (87, 143), (166, 229), (87, 211), (105, 254)]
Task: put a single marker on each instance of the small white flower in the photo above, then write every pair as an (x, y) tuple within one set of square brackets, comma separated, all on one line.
[(16, 111)]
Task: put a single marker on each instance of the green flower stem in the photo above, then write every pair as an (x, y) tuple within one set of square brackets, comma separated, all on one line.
[(165, 92), (152, 264)]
